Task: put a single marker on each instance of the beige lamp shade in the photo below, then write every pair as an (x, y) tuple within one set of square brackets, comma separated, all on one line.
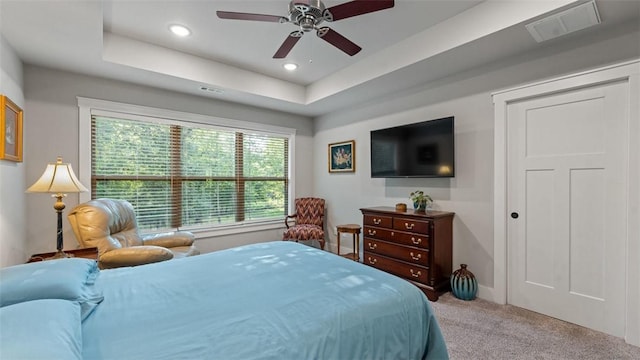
[(57, 178)]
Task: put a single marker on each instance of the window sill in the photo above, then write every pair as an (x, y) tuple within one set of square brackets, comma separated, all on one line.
[(203, 233)]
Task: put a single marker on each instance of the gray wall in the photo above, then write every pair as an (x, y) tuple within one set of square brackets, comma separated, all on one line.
[(12, 174), (467, 96), (52, 130)]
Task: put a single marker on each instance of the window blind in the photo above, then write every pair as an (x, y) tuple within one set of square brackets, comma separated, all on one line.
[(187, 174)]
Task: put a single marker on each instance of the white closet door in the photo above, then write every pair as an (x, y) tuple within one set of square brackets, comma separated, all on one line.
[(567, 197)]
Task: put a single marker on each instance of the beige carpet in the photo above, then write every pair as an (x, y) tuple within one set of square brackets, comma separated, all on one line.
[(480, 329)]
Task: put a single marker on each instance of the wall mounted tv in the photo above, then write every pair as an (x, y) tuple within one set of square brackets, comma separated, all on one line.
[(424, 149)]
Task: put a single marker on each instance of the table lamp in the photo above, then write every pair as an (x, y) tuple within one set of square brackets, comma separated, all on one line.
[(58, 179)]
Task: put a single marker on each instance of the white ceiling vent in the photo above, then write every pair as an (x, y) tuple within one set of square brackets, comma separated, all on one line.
[(212, 90), (562, 23)]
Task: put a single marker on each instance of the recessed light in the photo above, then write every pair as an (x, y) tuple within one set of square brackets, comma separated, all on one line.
[(180, 30), (290, 66)]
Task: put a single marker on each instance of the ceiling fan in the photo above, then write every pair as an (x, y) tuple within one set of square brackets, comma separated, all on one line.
[(308, 15)]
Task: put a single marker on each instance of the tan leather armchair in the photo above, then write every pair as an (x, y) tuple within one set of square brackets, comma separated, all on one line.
[(111, 226)]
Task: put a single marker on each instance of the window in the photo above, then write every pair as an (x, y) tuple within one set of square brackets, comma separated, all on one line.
[(180, 174)]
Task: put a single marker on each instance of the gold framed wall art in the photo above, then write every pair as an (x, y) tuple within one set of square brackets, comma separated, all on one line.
[(342, 156), (11, 117)]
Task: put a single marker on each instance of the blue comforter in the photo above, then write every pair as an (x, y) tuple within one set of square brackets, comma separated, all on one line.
[(277, 300)]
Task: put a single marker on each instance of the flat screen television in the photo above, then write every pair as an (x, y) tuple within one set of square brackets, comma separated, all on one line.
[(424, 149)]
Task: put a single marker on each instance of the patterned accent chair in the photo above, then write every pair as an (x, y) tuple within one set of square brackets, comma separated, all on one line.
[(309, 218)]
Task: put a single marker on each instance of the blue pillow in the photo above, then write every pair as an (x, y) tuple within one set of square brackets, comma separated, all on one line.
[(66, 279), (41, 329)]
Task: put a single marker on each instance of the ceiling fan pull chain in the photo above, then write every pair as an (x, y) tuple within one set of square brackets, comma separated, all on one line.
[(311, 52)]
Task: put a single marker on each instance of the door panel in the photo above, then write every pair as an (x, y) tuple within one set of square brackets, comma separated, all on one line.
[(587, 261), (538, 249), (549, 126)]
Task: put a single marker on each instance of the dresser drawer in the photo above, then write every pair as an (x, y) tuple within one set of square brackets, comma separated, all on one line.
[(410, 239), (398, 237), (378, 220), (412, 225), (408, 254), (398, 268), (378, 233)]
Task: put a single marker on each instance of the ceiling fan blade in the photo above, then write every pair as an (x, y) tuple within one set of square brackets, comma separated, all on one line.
[(247, 16), (288, 44), (334, 38), (355, 8)]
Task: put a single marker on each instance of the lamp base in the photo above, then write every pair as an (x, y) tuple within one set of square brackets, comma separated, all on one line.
[(60, 255)]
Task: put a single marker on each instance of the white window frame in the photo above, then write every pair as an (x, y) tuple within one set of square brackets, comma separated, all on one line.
[(88, 107)]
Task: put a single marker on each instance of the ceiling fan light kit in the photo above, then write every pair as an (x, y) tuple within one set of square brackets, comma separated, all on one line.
[(308, 15)]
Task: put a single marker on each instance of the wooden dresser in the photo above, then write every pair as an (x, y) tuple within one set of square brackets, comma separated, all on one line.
[(414, 245)]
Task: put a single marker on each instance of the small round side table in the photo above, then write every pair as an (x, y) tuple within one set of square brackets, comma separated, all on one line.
[(354, 230)]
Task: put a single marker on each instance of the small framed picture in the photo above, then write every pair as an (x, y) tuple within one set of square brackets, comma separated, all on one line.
[(10, 130), (342, 156)]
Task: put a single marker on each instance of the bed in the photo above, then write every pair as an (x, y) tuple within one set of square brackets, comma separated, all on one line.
[(274, 300)]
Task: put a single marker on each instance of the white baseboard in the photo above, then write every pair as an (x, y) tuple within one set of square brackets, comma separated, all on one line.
[(488, 293)]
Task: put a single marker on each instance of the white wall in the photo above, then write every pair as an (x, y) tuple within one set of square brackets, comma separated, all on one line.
[(52, 130), (467, 96), (12, 174)]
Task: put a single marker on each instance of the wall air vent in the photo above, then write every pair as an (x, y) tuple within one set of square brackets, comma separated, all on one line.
[(565, 22), (212, 90)]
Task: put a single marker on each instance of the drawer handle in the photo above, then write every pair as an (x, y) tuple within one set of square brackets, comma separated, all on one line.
[(377, 221), (416, 241), (415, 257), (415, 274), (409, 226), (373, 246), (373, 261), (372, 232)]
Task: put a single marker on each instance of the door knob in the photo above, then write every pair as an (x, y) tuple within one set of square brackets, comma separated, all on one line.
[(514, 215)]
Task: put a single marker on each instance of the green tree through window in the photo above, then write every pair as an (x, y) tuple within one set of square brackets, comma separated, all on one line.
[(189, 175)]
